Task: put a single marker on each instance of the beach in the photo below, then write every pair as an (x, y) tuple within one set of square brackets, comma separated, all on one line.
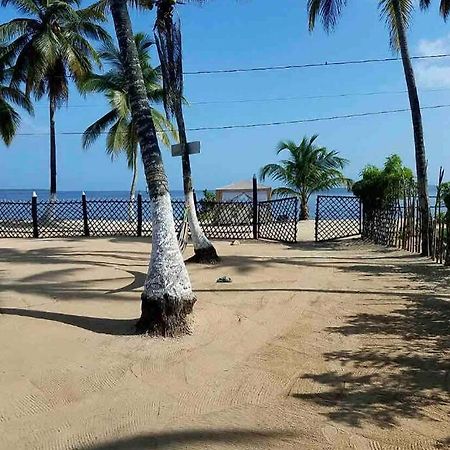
[(338, 345)]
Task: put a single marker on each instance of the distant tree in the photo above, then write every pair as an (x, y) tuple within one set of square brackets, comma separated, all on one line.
[(307, 169), (10, 96), (118, 123), (380, 188), (209, 196), (51, 45)]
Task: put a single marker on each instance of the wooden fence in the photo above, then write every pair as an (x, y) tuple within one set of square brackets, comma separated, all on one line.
[(400, 226)]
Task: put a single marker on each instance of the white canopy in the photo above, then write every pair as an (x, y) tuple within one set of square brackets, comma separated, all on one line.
[(242, 190)]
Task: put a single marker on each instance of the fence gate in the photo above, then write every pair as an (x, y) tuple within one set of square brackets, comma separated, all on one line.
[(337, 217)]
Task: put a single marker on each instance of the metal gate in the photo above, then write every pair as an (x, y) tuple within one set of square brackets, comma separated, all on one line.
[(337, 216)]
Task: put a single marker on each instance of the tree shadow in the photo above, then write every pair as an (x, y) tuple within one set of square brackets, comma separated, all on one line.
[(185, 439), (114, 327), (402, 369)]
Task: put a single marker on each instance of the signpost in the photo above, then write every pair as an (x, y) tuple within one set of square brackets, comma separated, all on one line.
[(193, 148)]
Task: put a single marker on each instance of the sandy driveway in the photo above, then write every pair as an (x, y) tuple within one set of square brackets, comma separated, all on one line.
[(341, 346)]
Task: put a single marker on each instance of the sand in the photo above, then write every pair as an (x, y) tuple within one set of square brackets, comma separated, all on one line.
[(331, 346)]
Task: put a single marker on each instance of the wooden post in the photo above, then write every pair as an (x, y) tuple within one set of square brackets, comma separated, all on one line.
[(139, 215), (316, 224), (255, 208), (85, 214), (34, 215)]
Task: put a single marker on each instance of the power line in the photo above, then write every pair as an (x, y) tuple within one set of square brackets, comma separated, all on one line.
[(302, 66), (268, 124), (311, 65), (274, 99), (317, 119), (312, 97)]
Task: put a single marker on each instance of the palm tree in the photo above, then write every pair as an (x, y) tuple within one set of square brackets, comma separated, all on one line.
[(167, 297), (397, 14), (168, 40), (9, 95), (51, 45), (118, 123), (308, 169)]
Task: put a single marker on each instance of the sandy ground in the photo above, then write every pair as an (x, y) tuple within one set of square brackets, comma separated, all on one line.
[(331, 346)]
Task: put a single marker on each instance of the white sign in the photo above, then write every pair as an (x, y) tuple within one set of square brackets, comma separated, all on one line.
[(193, 148)]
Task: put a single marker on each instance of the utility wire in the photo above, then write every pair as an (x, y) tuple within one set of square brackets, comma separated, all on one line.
[(311, 97), (311, 65), (273, 99), (301, 66), (269, 124)]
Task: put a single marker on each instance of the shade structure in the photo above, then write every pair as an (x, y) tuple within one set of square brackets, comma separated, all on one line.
[(241, 191)]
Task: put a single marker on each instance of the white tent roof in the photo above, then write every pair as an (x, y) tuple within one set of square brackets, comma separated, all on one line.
[(244, 185)]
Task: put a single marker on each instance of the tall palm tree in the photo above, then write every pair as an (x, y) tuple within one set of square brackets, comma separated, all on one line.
[(52, 45), (167, 297), (168, 40), (118, 123), (397, 14), (9, 96), (307, 169)]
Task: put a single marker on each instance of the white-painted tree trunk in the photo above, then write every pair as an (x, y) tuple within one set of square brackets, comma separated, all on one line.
[(167, 274), (199, 240)]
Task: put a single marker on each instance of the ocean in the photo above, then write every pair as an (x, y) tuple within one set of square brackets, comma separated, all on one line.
[(25, 195)]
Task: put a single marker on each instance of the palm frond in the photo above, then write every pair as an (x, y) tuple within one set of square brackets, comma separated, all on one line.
[(327, 10), (388, 13), (9, 122), (94, 131), (444, 7)]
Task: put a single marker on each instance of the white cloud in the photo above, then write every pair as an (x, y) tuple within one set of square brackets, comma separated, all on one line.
[(434, 47), (433, 73)]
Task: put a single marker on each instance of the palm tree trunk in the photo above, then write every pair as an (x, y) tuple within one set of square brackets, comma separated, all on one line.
[(131, 210), (421, 162), (52, 149), (304, 209), (48, 213), (167, 298), (203, 248)]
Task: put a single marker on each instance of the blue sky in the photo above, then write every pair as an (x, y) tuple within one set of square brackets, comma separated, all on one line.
[(248, 33)]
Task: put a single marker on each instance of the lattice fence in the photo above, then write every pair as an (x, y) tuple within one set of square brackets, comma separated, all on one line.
[(60, 219), (116, 217), (337, 217), (122, 217), (277, 220), (226, 220), (16, 219)]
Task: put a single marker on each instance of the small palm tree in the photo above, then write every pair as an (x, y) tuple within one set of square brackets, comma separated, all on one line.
[(9, 96), (397, 14), (51, 45), (308, 169), (117, 123)]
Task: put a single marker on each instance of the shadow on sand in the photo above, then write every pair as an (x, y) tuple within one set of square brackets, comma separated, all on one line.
[(115, 327), (185, 439)]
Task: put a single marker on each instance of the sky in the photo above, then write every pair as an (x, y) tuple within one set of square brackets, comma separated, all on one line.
[(225, 34)]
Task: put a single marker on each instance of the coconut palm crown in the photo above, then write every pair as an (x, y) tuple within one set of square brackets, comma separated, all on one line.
[(51, 44), (308, 168)]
